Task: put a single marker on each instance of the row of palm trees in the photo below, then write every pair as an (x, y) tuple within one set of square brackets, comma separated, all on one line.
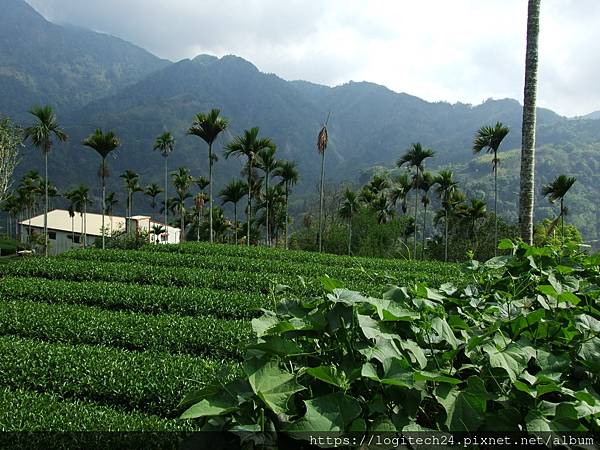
[(260, 154)]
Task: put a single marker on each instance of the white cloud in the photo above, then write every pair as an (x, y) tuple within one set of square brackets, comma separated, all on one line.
[(458, 50)]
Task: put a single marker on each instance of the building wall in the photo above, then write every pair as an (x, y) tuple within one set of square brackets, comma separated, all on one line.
[(60, 241)]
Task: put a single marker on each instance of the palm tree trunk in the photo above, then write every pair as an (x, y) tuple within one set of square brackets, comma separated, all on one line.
[(249, 212), (287, 205), (424, 228), (267, 203), (103, 200), (81, 241), (562, 220), (350, 236), (210, 194), (182, 212), (73, 229), (446, 233), (527, 187), (321, 203), (46, 203), (166, 198), (416, 214), (235, 222), (85, 223), (495, 205), (198, 227)]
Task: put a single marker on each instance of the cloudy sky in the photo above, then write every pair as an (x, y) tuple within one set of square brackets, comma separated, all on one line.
[(452, 50)]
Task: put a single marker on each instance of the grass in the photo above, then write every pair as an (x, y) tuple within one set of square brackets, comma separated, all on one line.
[(113, 340)]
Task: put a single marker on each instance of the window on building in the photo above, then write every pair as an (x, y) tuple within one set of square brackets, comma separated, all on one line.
[(74, 238), (52, 235)]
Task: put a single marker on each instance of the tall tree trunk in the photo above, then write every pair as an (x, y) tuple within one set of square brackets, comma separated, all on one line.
[(166, 198), (562, 220), (495, 204), (73, 229), (527, 187), (235, 222), (350, 236), (446, 233), (210, 191), (182, 212), (85, 223), (287, 214), (81, 242), (46, 203), (321, 203), (198, 226), (416, 214), (249, 212), (267, 203), (424, 229), (103, 200)]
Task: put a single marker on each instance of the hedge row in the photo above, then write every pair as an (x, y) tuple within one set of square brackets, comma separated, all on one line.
[(25, 411), (199, 336), (310, 270), (63, 269), (303, 257), (186, 301), (149, 382)]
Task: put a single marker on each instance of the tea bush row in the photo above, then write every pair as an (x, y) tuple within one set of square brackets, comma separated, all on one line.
[(197, 336), (24, 411), (149, 299), (147, 382)]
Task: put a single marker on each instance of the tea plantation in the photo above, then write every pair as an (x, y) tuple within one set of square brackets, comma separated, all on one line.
[(113, 340)]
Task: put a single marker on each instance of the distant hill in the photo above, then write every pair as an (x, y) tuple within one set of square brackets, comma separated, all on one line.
[(41, 62), (101, 81)]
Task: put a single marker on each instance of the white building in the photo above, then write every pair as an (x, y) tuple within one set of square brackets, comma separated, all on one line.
[(66, 232)]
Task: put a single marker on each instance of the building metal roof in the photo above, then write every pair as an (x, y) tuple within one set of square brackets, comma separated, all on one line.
[(60, 220)]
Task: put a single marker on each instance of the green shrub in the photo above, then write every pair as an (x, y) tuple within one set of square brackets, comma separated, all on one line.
[(24, 411), (185, 301), (148, 382), (516, 351), (198, 336)]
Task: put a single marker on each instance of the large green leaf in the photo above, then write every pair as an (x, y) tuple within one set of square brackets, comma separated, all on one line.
[(444, 331), (465, 409), (513, 358), (390, 310), (215, 402), (332, 412), (328, 374), (590, 353), (382, 350), (416, 352), (273, 385), (372, 329)]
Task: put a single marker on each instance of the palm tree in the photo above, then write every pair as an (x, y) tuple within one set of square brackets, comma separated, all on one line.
[(182, 181), (426, 183), (248, 145), (41, 134), (267, 163), (132, 184), (152, 191), (165, 143), (157, 230), (80, 200), (233, 193), (104, 144), (446, 187), (201, 198), (556, 190), (477, 210), (400, 190), (208, 127), (414, 158), (349, 207), (322, 141), (527, 187), (288, 172), (383, 209), (29, 187), (71, 196), (490, 138), (109, 206)]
